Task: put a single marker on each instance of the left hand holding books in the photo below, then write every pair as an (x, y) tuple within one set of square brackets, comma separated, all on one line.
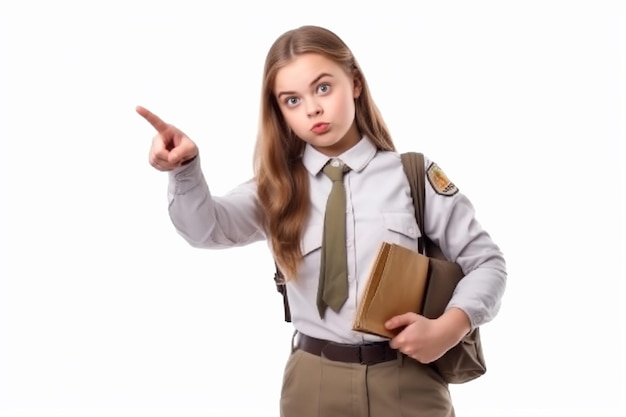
[(426, 340)]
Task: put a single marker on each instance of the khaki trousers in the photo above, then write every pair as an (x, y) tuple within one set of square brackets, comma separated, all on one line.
[(314, 386)]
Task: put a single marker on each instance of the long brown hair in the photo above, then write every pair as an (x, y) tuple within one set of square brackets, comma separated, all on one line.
[(282, 180)]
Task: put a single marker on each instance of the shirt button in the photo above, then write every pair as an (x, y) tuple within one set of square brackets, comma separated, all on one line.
[(335, 162), (411, 230)]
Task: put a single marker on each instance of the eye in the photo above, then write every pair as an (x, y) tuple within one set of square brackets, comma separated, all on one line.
[(292, 101), (323, 88)]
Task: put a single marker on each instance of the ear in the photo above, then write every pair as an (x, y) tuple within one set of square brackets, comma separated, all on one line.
[(358, 87)]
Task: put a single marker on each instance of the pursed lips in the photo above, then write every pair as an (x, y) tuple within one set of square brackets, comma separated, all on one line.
[(320, 127)]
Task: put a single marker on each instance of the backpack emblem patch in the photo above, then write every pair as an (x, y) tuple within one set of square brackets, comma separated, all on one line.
[(440, 181)]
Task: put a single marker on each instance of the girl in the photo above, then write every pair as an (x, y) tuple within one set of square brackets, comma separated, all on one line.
[(316, 110)]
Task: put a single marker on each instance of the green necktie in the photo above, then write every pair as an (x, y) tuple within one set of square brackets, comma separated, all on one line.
[(333, 285)]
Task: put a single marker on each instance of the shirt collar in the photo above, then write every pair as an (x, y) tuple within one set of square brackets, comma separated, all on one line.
[(357, 157)]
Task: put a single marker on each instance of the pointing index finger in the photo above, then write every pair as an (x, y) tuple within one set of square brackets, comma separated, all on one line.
[(152, 118)]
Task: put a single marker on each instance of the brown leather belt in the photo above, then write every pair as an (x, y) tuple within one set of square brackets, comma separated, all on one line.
[(366, 354)]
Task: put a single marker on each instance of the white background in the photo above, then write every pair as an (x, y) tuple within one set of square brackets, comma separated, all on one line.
[(106, 311)]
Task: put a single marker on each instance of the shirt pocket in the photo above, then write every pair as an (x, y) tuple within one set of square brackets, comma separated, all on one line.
[(401, 229)]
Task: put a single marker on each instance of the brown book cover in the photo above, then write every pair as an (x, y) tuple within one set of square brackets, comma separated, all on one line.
[(396, 285)]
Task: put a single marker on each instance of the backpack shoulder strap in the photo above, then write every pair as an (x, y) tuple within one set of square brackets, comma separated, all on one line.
[(281, 287), (413, 164)]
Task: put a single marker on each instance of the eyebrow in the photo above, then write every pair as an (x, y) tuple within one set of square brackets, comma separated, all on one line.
[(319, 77)]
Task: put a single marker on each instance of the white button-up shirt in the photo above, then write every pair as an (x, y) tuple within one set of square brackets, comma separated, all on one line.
[(379, 208)]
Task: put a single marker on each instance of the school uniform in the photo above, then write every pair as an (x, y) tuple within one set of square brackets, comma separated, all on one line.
[(379, 208)]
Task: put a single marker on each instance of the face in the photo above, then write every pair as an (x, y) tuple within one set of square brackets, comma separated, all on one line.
[(316, 98)]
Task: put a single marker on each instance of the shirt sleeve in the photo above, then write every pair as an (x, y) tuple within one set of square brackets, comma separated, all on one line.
[(450, 222), (207, 221)]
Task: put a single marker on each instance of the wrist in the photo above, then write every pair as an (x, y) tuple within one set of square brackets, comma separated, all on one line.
[(187, 161), (455, 324)]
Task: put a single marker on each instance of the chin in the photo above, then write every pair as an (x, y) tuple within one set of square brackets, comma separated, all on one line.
[(327, 143)]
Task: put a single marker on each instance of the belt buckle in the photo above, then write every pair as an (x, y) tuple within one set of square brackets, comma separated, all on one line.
[(363, 359)]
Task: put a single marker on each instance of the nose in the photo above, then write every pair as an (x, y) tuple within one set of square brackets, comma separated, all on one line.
[(313, 108)]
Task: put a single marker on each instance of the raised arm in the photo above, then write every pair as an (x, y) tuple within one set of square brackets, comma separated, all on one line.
[(201, 219)]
